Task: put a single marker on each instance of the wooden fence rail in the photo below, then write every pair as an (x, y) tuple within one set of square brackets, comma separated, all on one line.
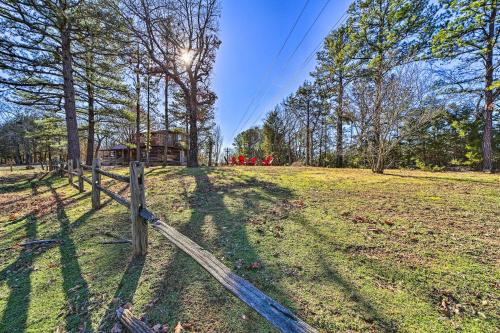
[(275, 313), (279, 316), (87, 180), (121, 200), (114, 176)]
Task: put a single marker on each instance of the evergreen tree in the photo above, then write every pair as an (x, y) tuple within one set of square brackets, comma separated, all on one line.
[(387, 34), (336, 69), (36, 53), (470, 36)]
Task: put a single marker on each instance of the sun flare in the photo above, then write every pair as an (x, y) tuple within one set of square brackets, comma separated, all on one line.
[(187, 56)]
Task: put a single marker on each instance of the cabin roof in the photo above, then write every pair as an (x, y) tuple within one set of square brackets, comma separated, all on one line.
[(118, 147)]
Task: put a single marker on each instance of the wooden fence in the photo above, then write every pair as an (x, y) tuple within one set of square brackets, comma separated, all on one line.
[(279, 316)]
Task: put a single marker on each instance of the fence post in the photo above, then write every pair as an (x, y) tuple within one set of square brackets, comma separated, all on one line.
[(70, 170), (79, 170), (138, 201), (96, 180)]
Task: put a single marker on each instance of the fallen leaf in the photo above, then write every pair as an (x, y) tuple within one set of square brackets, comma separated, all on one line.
[(178, 328), (74, 288), (360, 219), (151, 303), (60, 329), (298, 203), (375, 230), (255, 265)]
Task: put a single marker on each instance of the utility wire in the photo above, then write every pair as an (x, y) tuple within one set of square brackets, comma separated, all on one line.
[(305, 63), (284, 66), (268, 71), (307, 32)]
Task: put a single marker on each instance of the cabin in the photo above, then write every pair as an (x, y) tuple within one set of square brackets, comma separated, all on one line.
[(122, 154)]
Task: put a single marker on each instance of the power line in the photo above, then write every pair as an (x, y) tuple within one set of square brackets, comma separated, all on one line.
[(286, 63), (308, 59), (307, 32), (268, 71), (305, 63)]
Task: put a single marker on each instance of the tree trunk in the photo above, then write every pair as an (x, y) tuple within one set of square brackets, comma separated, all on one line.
[(339, 160), (193, 129), (210, 148), (488, 126), (321, 138), (167, 124), (99, 142), (69, 94), (49, 157), (91, 120), (311, 144), (17, 158), (148, 123), (377, 158), (489, 100), (308, 136), (137, 111)]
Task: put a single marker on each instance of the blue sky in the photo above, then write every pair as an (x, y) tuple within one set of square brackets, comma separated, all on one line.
[(247, 75)]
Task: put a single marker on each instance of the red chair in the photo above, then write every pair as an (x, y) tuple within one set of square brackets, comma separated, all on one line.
[(252, 161), (267, 161), (241, 159), (233, 161)]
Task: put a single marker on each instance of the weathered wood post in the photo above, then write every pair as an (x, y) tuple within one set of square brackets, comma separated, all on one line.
[(70, 172), (61, 169), (79, 171), (138, 201), (96, 180)]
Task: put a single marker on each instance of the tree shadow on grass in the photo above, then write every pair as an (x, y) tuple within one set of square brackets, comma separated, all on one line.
[(17, 276), (74, 285), (230, 240), (125, 290), (17, 185), (363, 305), (15, 314)]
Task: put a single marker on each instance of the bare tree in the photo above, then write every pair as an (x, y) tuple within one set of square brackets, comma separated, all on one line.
[(180, 37), (218, 138), (408, 105)]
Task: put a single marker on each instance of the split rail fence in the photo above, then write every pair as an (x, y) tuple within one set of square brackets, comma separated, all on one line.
[(279, 316)]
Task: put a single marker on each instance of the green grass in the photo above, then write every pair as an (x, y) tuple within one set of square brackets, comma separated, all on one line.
[(345, 249)]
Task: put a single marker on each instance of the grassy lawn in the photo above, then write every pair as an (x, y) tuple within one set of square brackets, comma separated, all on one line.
[(345, 249)]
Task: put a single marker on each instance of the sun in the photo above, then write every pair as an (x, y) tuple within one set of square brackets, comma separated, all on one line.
[(187, 56)]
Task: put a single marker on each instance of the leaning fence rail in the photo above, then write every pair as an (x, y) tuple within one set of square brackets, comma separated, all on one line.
[(279, 316)]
